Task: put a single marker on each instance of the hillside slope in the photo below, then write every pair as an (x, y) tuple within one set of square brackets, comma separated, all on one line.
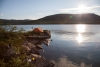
[(88, 18)]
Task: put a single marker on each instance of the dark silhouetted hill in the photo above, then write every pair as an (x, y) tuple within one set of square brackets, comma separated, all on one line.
[(88, 18), (72, 19), (14, 22)]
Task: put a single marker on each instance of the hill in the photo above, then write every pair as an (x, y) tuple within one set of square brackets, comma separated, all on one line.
[(88, 18), (14, 22)]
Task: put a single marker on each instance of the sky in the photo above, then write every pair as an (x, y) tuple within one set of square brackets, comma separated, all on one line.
[(35, 9)]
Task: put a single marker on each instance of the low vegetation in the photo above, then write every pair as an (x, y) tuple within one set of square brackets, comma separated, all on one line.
[(10, 37)]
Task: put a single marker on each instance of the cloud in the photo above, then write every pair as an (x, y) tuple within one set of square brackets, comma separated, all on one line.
[(93, 7), (65, 62), (87, 9), (2, 14)]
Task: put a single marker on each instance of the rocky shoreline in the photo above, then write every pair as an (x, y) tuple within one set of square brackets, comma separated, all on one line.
[(31, 47)]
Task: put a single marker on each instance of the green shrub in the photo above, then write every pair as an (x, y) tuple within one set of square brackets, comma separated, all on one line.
[(11, 35)]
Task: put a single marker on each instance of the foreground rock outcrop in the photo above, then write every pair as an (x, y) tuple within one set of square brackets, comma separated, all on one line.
[(32, 46)]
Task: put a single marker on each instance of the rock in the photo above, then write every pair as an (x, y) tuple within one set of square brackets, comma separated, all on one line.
[(38, 46), (47, 33), (35, 56), (29, 60), (10, 52), (26, 47), (34, 51), (46, 42), (31, 45), (42, 50)]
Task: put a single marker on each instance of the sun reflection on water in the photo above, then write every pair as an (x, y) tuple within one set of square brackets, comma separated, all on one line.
[(80, 29), (79, 38)]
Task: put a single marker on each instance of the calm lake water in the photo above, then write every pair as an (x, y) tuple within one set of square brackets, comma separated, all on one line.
[(76, 45)]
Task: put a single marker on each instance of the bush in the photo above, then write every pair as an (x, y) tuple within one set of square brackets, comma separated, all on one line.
[(11, 35)]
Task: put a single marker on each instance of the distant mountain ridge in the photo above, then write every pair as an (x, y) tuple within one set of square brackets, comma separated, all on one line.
[(88, 18)]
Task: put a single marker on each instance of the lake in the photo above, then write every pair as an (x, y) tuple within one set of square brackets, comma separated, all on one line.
[(72, 45)]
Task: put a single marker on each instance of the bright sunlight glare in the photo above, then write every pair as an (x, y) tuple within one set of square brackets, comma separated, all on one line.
[(81, 8), (80, 28), (79, 38)]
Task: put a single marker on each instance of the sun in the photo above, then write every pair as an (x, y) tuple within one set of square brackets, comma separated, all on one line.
[(81, 8)]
